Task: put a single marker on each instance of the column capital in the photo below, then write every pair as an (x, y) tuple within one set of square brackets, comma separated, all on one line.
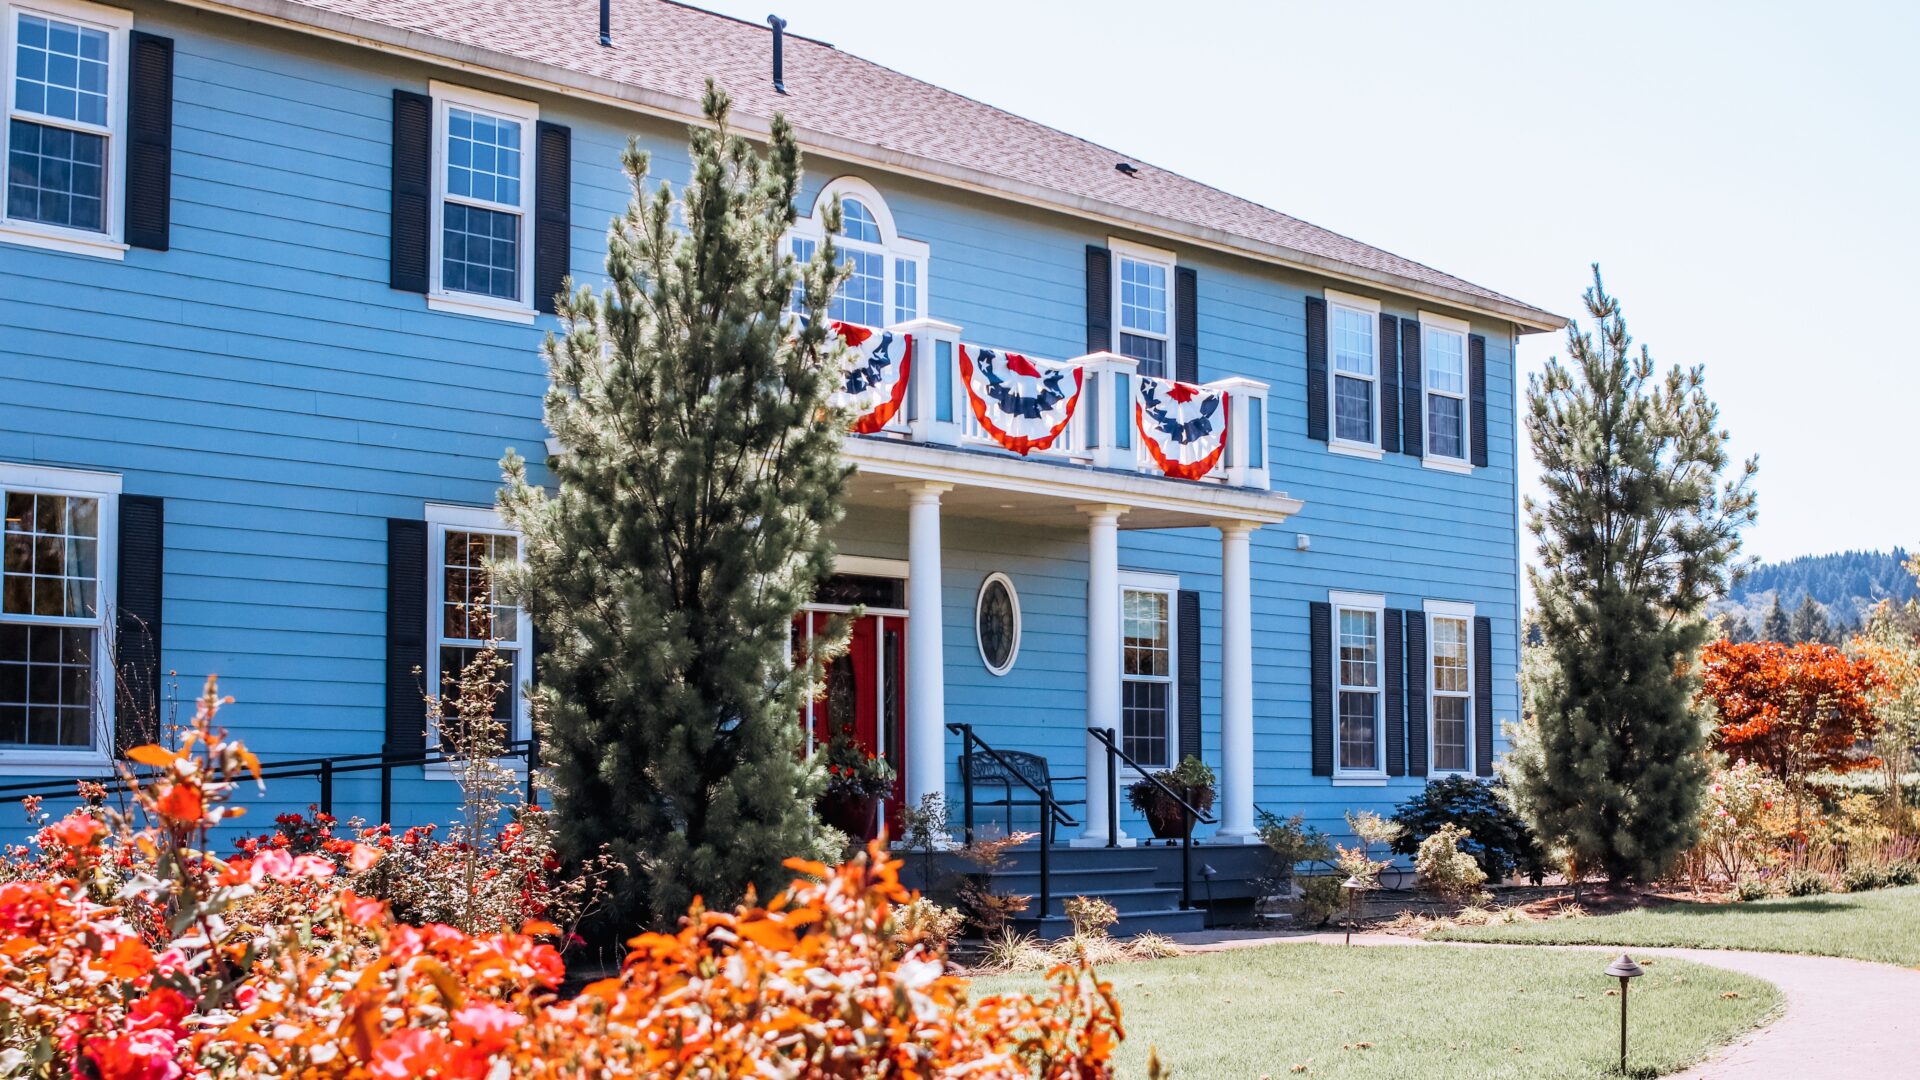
[(924, 489), (1103, 510), (1235, 527)]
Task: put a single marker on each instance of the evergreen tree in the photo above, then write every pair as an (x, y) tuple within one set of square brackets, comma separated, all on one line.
[(701, 472), (1638, 533), (1777, 627), (1736, 629), (1810, 622)]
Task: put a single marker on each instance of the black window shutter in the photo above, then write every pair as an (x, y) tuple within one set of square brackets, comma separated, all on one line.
[(553, 212), (1412, 392), (406, 634), (1316, 368), (1416, 693), (1099, 299), (1389, 384), (1189, 615), (1320, 626), (137, 632), (1396, 701), (149, 141), (412, 191), (1186, 325), (1483, 696), (1477, 391)]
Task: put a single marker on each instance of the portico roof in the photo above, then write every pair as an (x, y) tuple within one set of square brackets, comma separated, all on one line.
[(993, 485)]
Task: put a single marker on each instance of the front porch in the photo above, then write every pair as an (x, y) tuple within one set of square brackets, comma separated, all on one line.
[(1051, 501)]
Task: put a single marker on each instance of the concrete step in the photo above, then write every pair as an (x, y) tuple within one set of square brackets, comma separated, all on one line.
[(1169, 920), (1124, 901), (1079, 882)]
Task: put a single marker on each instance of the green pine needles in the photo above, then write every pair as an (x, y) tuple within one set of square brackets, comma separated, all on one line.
[(1638, 532), (700, 475)]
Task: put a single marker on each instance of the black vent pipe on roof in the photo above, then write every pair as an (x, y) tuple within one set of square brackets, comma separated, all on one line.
[(606, 22), (779, 53)]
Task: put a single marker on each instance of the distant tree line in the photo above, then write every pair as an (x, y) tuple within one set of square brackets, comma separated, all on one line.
[(1818, 598)]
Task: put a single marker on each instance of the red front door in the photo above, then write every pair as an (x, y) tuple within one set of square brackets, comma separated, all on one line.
[(866, 691)]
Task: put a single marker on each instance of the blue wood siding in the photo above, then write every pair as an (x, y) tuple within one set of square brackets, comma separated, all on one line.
[(264, 379)]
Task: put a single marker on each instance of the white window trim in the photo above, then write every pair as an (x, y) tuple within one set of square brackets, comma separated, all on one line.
[(439, 297), (1377, 604), (1354, 447), (979, 599), (892, 246), (1169, 584), (108, 243), (442, 517), (1463, 463), (105, 487), (1127, 249), (1449, 609)]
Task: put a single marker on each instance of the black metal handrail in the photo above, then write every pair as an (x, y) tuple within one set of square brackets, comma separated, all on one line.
[(323, 769), (1189, 813), (1050, 811)]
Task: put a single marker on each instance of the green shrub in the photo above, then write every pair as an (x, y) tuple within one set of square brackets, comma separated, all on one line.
[(1903, 872), (1863, 877), (1322, 897), (1749, 889), (1808, 883), (1501, 842), (1444, 868)]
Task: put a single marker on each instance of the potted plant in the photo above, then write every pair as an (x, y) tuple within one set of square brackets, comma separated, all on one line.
[(856, 782), (1191, 779)]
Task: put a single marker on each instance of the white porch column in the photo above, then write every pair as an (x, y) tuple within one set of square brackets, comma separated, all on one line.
[(1103, 665), (926, 757), (1236, 681)]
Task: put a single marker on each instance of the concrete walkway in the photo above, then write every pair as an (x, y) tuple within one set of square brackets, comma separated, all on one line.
[(1844, 1018)]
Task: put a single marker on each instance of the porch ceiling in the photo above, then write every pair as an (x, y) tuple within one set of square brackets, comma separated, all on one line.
[(997, 486)]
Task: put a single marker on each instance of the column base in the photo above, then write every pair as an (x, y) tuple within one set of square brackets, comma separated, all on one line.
[(1228, 839)]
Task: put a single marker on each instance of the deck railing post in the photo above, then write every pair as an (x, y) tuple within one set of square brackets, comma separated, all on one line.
[(326, 786), (1046, 864), (1186, 860), (1113, 793), (533, 765), (386, 788), (966, 780)]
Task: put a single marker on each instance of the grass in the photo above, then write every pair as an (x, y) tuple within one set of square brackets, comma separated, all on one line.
[(1882, 925), (1434, 1013)]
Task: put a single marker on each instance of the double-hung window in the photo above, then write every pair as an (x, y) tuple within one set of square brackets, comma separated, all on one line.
[(885, 272), (56, 578), (466, 611), (483, 205), (1450, 684), (1353, 346), (65, 65), (1143, 305), (1443, 348), (1147, 664), (1357, 652)]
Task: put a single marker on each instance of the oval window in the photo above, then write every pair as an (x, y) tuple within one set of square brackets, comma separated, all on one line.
[(996, 620)]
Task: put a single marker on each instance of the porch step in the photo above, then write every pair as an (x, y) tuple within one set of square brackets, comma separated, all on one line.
[(1091, 881), (1125, 901), (1131, 924)]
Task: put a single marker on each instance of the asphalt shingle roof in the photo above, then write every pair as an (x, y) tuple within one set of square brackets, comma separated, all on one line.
[(670, 48)]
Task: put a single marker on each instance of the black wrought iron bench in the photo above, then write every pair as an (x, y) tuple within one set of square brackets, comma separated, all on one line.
[(983, 770)]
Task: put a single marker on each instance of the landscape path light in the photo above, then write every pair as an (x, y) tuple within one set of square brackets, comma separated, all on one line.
[(1354, 887), (1624, 969)]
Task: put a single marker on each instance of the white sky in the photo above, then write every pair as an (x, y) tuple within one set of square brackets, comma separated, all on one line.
[(1745, 174)]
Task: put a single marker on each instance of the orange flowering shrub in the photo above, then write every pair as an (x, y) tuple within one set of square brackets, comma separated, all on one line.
[(129, 951)]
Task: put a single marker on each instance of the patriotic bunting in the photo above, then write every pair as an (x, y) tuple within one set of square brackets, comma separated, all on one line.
[(1183, 427), (1021, 406), (876, 383)]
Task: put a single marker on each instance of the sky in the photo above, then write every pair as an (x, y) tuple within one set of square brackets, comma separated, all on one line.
[(1747, 176)]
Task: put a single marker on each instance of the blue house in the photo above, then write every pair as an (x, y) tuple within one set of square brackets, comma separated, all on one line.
[(273, 279)]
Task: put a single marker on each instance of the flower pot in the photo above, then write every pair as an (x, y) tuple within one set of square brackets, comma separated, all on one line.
[(856, 815), (1168, 820)]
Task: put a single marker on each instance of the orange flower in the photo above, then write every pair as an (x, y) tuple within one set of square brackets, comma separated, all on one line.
[(77, 830), (182, 804)]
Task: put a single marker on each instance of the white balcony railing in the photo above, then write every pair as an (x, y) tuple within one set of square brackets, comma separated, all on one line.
[(1102, 433)]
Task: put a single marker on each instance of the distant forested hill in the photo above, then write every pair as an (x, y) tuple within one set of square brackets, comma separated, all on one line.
[(1844, 585)]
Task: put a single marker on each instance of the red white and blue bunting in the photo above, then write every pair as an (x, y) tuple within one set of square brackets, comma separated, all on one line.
[(1022, 406), (1183, 427), (876, 383)]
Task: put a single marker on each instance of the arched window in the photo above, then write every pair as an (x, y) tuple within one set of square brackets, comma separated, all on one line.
[(888, 279)]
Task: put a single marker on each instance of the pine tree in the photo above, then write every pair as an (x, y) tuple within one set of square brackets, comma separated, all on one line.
[(700, 473), (1810, 622), (1777, 627), (1638, 533), (1737, 629)]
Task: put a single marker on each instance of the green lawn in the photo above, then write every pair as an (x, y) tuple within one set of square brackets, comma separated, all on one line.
[(1882, 925), (1433, 1013)]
